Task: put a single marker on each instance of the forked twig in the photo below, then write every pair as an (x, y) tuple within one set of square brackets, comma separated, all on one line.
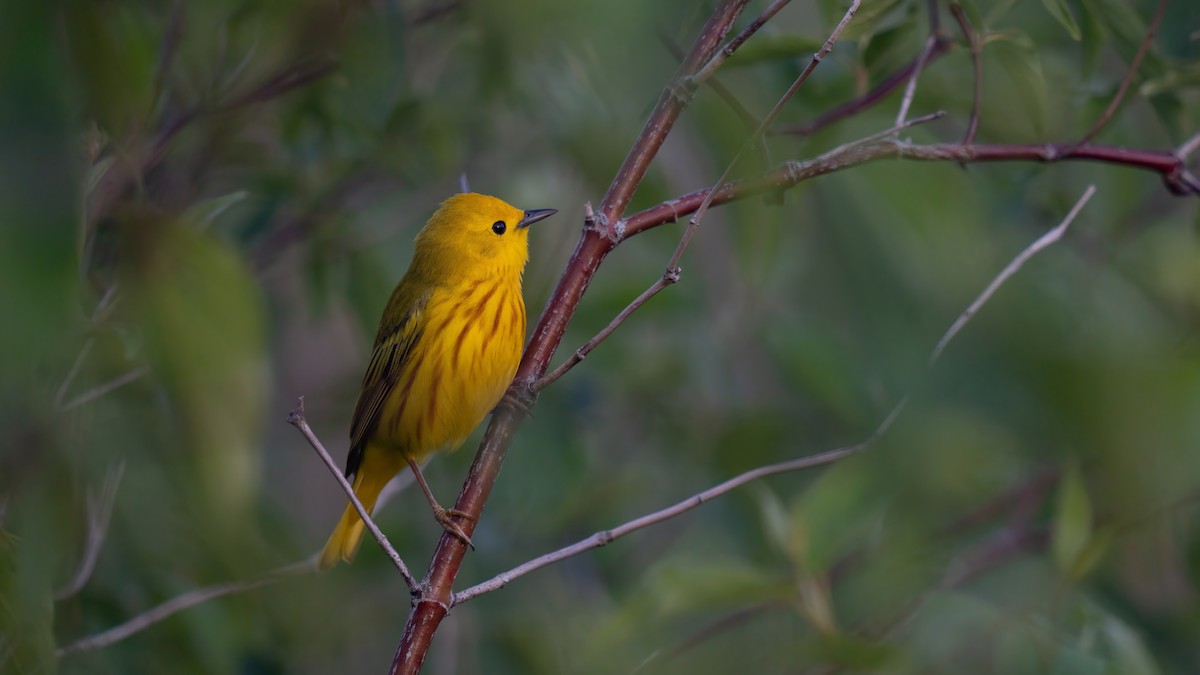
[(669, 277), (608, 536)]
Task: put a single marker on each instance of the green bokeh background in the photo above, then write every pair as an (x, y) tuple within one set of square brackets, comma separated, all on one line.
[(279, 157)]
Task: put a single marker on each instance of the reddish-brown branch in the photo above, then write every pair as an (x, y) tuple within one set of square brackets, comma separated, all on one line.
[(598, 238), (1129, 75), (1165, 163), (976, 64), (670, 104)]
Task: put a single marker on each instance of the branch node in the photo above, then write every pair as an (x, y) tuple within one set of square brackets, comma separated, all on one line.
[(681, 90), (671, 275), (296, 416)]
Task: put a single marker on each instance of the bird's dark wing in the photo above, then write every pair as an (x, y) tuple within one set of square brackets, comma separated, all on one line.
[(394, 345)]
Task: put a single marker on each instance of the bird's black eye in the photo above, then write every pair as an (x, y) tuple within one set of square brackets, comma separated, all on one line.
[(498, 227)]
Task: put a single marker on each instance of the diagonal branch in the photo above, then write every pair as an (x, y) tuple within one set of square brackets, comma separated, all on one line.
[(1129, 75), (972, 39), (99, 514)]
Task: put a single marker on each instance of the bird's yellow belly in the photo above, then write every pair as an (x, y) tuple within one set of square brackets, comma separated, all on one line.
[(464, 363)]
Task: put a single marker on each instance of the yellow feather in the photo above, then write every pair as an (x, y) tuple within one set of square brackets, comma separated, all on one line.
[(448, 345)]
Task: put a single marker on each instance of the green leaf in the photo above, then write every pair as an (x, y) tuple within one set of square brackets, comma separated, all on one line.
[(776, 522), (1072, 523), (683, 587), (204, 212), (816, 603), (1063, 15), (1128, 650), (1019, 57)]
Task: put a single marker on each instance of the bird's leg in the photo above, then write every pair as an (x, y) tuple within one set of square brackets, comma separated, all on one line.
[(443, 516)]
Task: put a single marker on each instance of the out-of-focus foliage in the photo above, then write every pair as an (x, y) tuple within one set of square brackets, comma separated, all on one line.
[(207, 203)]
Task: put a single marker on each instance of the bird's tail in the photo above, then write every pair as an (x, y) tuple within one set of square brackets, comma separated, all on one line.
[(343, 543)]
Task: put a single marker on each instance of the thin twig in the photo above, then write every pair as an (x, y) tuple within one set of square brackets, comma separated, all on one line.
[(668, 278), (179, 603), (977, 65), (694, 222), (910, 90), (296, 419), (66, 383), (1189, 146), (607, 536), (1129, 75), (728, 97), (99, 514), (732, 46), (855, 106), (1042, 242), (102, 389)]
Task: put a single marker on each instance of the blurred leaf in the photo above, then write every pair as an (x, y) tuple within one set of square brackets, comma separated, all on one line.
[(831, 518), (204, 212), (873, 16), (113, 47), (1072, 527), (854, 653), (680, 589), (1064, 16), (815, 603), (1020, 59), (890, 46), (1128, 650), (777, 523), (203, 321)]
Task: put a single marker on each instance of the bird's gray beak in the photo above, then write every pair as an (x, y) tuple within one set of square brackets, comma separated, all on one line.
[(535, 215)]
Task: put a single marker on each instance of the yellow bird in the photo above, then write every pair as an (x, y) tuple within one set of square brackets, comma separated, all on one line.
[(448, 345)]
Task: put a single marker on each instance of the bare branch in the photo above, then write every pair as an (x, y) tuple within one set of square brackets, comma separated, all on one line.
[(177, 604), (977, 65), (727, 51), (1042, 242), (1129, 75), (607, 536), (669, 277), (99, 514), (910, 90), (296, 419)]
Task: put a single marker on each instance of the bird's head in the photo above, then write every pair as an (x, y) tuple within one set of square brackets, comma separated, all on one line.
[(477, 231)]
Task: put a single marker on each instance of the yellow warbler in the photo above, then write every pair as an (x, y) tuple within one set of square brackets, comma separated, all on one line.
[(448, 346)]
